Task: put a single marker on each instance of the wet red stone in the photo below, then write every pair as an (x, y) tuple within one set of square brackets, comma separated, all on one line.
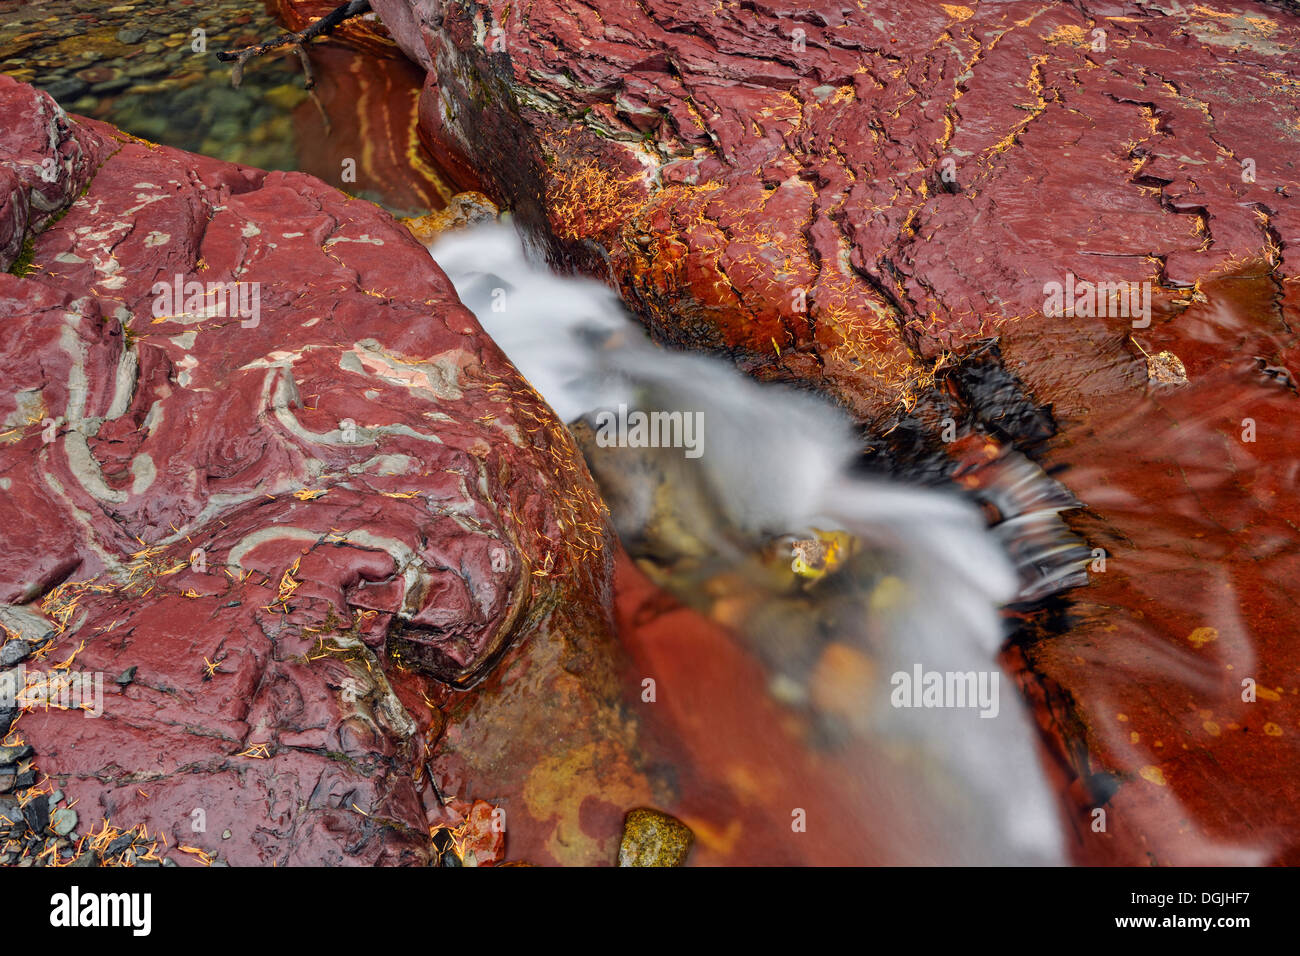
[(364, 33), (794, 169), (1193, 494), (861, 200), (363, 115), (238, 513), (748, 774), (802, 216)]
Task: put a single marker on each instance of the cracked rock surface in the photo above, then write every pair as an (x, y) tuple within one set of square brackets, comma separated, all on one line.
[(872, 199), (281, 537), (844, 194)]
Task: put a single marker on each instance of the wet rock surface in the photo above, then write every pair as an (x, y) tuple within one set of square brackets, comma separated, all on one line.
[(135, 65), (876, 204), (850, 198), (653, 838), (1169, 683), (365, 32), (870, 204), (220, 520)]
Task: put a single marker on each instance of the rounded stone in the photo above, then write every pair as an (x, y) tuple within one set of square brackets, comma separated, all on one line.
[(63, 821), (653, 838)]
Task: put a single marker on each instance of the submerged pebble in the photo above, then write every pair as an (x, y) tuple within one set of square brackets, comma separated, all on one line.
[(653, 838)]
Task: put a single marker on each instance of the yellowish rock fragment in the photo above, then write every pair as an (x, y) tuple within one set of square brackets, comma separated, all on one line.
[(653, 838)]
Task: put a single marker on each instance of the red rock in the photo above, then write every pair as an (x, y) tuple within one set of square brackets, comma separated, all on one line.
[(364, 114), (549, 739), (742, 764), (1197, 523), (479, 840), (44, 166), (249, 510), (724, 166), (366, 33), (729, 166), (364, 111)]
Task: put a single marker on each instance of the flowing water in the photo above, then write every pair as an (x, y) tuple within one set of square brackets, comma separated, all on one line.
[(755, 519), (806, 590)]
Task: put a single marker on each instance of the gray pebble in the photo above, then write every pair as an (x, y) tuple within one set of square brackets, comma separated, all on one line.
[(18, 649), (10, 755), (112, 86), (64, 821)]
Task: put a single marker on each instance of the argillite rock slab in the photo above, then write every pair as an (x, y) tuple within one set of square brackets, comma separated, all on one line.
[(847, 195), (876, 200), (276, 526)]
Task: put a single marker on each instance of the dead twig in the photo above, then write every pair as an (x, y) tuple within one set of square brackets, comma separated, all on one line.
[(322, 27)]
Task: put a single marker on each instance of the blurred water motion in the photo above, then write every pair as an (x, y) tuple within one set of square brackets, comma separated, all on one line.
[(848, 592)]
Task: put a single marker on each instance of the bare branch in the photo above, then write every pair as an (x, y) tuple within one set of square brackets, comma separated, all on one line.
[(322, 27)]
